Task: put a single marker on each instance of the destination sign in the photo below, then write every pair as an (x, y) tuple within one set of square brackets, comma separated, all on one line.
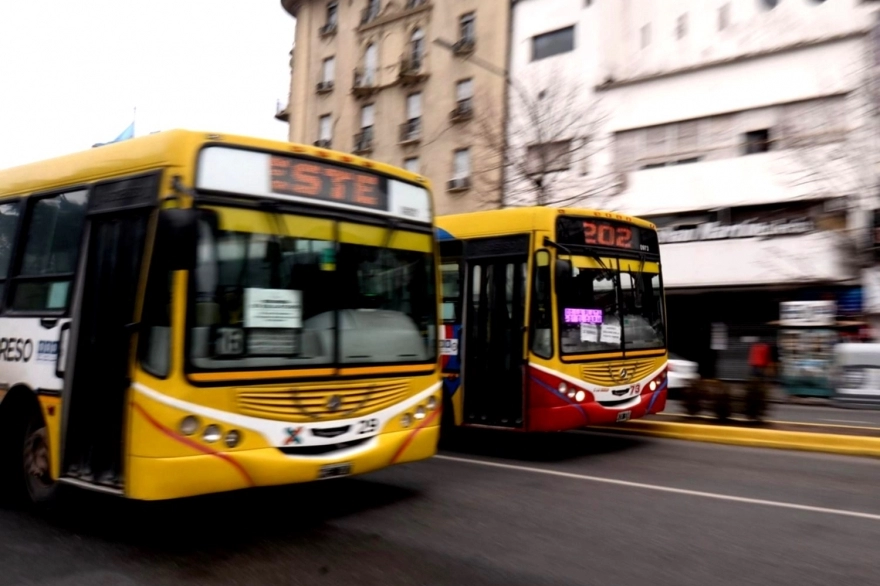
[(574, 231), (313, 179)]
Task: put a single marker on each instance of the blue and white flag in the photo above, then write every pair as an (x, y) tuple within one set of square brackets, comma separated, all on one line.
[(125, 135)]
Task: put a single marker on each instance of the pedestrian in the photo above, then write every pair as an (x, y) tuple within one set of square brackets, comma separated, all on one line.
[(759, 359)]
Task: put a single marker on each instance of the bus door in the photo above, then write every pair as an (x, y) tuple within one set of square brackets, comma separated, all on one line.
[(494, 330), (104, 311)]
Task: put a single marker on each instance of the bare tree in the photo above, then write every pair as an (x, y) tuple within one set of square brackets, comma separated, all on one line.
[(546, 146)]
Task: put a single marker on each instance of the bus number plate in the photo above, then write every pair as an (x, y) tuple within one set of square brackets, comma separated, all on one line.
[(623, 416), (334, 471)]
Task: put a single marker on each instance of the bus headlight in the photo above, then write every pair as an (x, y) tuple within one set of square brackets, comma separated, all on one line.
[(563, 388), (432, 403), (420, 412), (189, 425), (580, 396), (406, 420), (212, 434), (653, 386), (233, 438)]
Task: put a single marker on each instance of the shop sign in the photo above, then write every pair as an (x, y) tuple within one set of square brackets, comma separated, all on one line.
[(749, 229), (807, 313)]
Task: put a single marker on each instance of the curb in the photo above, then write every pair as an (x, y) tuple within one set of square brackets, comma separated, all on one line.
[(828, 443)]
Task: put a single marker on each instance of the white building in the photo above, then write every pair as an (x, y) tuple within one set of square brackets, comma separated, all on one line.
[(741, 127)]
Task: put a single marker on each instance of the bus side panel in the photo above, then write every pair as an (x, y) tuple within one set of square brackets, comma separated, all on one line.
[(29, 357), (450, 360)]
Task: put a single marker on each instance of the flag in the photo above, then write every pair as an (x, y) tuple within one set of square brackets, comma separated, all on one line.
[(124, 135)]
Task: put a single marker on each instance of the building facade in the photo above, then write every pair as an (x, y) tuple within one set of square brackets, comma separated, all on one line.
[(744, 129), (413, 83)]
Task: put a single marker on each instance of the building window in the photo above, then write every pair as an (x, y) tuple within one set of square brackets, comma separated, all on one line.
[(415, 3), (371, 12), (770, 4), (548, 157), (371, 64), (417, 48), (411, 164), (411, 129), (464, 93), (553, 43), (467, 27), (681, 26), (325, 130), (363, 141), (646, 35), (461, 164), (724, 17), (757, 141), (328, 70), (332, 15)]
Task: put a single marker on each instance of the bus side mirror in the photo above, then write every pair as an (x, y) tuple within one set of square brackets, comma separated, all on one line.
[(564, 273), (176, 239)]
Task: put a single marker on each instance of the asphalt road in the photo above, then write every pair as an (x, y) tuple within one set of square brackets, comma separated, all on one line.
[(819, 414), (579, 508)]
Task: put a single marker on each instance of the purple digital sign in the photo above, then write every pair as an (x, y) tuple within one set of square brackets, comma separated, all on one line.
[(583, 316)]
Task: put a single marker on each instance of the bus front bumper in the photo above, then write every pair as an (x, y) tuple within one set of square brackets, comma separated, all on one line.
[(221, 471), (572, 416)]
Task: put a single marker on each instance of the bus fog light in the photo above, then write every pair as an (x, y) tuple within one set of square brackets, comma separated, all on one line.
[(212, 434), (406, 420), (580, 396), (189, 425), (563, 388), (420, 412), (432, 403), (571, 394), (233, 438)]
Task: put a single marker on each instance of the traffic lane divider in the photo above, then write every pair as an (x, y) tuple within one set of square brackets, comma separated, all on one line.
[(850, 445)]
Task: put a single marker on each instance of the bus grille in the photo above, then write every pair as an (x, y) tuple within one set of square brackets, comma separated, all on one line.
[(319, 400), (608, 374)]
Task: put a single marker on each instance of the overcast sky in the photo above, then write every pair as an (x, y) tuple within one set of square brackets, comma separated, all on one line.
[(72, 71)]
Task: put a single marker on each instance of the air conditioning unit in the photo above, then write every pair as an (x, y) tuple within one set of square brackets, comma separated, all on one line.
[(323, 143), (325, 86), (459, 184)]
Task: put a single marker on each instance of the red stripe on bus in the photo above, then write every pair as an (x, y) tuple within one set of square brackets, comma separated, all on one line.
[(194, 445), (409, 439)]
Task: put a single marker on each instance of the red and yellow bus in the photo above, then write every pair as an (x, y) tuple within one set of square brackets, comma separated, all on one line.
[(188, 313), (553, 318)]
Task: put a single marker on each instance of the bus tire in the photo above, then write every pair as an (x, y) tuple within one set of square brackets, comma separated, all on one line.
[(25, 458)]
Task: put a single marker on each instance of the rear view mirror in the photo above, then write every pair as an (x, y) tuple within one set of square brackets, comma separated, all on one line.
[(176, 238), (564, 272)]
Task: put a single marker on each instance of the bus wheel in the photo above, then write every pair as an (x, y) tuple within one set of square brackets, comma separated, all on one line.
[(36, 463)]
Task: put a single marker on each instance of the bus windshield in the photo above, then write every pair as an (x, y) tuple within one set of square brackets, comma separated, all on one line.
[(611, 309), (281, 291)]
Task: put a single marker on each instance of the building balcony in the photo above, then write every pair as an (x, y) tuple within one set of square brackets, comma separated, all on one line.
[(323, 143), (411, 131), (464, 47), (282, 113), (412, 70), (363, 142), (365, 83), (463, 111), (368, 15), (325, 87), (328, 29)]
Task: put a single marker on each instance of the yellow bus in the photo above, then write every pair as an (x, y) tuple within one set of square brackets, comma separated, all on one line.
[(187, 313), (553, 319)]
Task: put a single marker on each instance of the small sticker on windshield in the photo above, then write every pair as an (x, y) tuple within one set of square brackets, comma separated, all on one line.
[(589, 333), (610, 334)]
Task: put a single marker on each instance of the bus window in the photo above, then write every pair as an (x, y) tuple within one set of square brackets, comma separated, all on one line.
[(8, 226), (53, 238), (451, 273), (542, 316)]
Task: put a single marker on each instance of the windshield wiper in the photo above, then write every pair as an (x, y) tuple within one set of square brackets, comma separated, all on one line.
[(606, 272)]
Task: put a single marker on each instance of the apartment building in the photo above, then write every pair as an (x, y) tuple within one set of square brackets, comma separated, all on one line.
[(744, 129), (414, 83)]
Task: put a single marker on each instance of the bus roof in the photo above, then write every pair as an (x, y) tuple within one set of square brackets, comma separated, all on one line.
[(169, 148), (513, 220)]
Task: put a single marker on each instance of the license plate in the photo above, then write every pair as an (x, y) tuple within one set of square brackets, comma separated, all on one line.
[(334, 471), (623, 415)]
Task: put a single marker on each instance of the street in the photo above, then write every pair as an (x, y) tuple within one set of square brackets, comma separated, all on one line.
[(576, 508)]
